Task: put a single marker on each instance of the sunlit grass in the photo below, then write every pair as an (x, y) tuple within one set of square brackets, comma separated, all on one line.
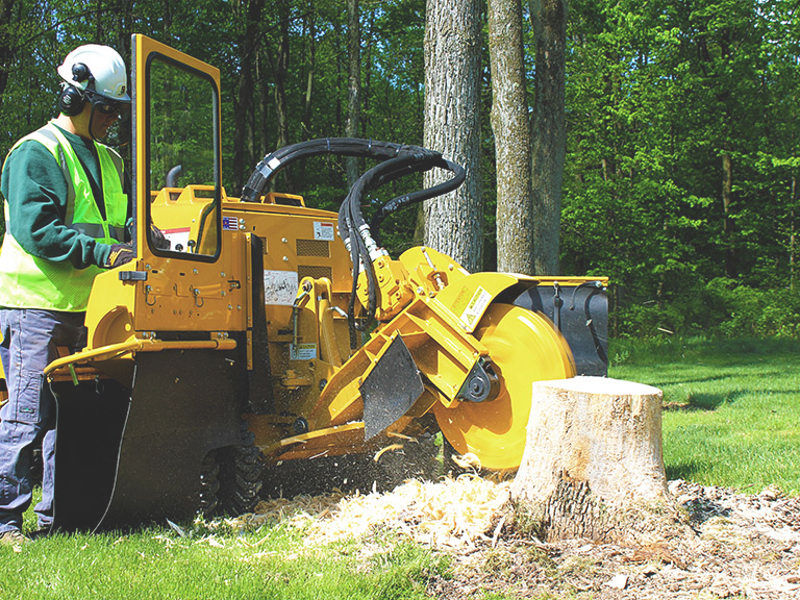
[(732, 413), (268, 562)]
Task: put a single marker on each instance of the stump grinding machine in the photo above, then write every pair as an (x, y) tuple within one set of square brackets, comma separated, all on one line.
[(243, 341)]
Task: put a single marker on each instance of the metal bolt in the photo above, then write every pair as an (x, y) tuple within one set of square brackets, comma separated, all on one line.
[(194, 271), (222, 274), (285, 259), (147, 267), (284, 240), (238, 307), (420, 290)]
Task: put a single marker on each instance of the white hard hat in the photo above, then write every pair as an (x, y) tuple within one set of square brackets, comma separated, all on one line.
[(96, 68)]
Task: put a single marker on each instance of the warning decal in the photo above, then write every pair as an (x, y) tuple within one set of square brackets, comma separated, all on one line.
[(323, 230), (477, 304), (178, 238), (302, 352)]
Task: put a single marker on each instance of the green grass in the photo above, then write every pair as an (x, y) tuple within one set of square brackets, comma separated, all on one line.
[(732, 413), (269, 562)]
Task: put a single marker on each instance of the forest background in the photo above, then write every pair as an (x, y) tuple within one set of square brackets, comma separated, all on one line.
[(681, 168)]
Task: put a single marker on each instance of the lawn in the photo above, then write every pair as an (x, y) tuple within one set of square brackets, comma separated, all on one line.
[(732, 408), (731, 419), (207, 562)]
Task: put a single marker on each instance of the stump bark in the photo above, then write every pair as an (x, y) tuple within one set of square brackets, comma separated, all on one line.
[(593, 464)]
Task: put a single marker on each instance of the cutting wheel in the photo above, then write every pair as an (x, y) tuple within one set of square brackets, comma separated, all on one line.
[(524, 347)]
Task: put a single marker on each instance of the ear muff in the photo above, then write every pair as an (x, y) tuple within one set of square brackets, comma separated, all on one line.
[(71, 99)]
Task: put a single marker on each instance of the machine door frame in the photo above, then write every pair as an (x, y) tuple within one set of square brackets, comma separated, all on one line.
[(144, 50)]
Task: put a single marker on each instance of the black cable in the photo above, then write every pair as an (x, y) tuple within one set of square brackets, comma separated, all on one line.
[(399, 202), (278, 160)]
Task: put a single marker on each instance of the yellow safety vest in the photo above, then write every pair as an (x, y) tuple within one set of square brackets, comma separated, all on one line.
[(27, 281)]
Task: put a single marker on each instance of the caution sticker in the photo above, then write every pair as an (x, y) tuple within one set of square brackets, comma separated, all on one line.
[(477, 305), (280, 287), (178, 238), (323, 230), (302, 352)]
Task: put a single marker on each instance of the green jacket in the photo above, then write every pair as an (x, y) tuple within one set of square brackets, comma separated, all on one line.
[(64, 206)]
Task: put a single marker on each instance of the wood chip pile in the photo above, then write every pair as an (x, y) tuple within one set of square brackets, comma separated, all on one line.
[(451, 513)]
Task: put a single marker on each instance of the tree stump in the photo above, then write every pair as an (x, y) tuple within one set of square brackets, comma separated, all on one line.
[(593, 464)]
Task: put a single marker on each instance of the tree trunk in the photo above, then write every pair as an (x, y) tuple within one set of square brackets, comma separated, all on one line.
[(512, 141), (549, 130), (243, 133), (353, 84), (727, 225), (311, 62), (452, 126), (7, 43), (593, 463), (281, 74), (792, 234)]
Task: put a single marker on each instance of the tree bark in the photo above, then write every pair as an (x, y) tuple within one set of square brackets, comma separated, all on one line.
[(549, 130), (452, 126), (7, 43), (593, 465), (280, 69), (353, 84), (512, 140), (727, 225), (792, 233), (243, 132)]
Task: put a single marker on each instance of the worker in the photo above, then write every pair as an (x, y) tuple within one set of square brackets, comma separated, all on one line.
[(65, 214)]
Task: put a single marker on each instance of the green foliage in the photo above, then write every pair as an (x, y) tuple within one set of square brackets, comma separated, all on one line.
[(732, 407), (722, 307), (657, 93)]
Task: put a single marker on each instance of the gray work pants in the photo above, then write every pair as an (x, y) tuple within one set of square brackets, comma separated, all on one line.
[(30, 338)]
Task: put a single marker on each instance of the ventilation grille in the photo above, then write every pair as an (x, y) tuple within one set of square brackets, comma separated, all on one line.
[(313, 271), (313, 248)]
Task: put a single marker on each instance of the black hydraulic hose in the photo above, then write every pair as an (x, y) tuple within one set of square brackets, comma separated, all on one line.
[(395, 204), (279, 159)]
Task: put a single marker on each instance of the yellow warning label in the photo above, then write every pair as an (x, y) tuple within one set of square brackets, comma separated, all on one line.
[(477, 305)]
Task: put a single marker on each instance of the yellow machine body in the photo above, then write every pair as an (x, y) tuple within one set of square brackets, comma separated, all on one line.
[(244, 319)]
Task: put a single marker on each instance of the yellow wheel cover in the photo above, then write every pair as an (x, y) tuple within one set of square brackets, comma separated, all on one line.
[(524, 347)]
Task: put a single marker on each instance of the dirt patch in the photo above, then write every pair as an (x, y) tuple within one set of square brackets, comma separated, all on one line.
[(738, 546)]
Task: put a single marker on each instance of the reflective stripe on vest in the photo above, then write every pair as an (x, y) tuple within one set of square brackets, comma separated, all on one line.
[(27, 281)]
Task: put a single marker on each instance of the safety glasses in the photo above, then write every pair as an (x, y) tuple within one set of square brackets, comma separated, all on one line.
[(108, 107)]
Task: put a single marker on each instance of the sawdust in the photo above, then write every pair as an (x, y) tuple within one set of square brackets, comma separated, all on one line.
[(449, 514), (736, 545)]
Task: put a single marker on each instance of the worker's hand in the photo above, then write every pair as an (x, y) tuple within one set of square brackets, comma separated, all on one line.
[(157, 238), (120, 254)]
